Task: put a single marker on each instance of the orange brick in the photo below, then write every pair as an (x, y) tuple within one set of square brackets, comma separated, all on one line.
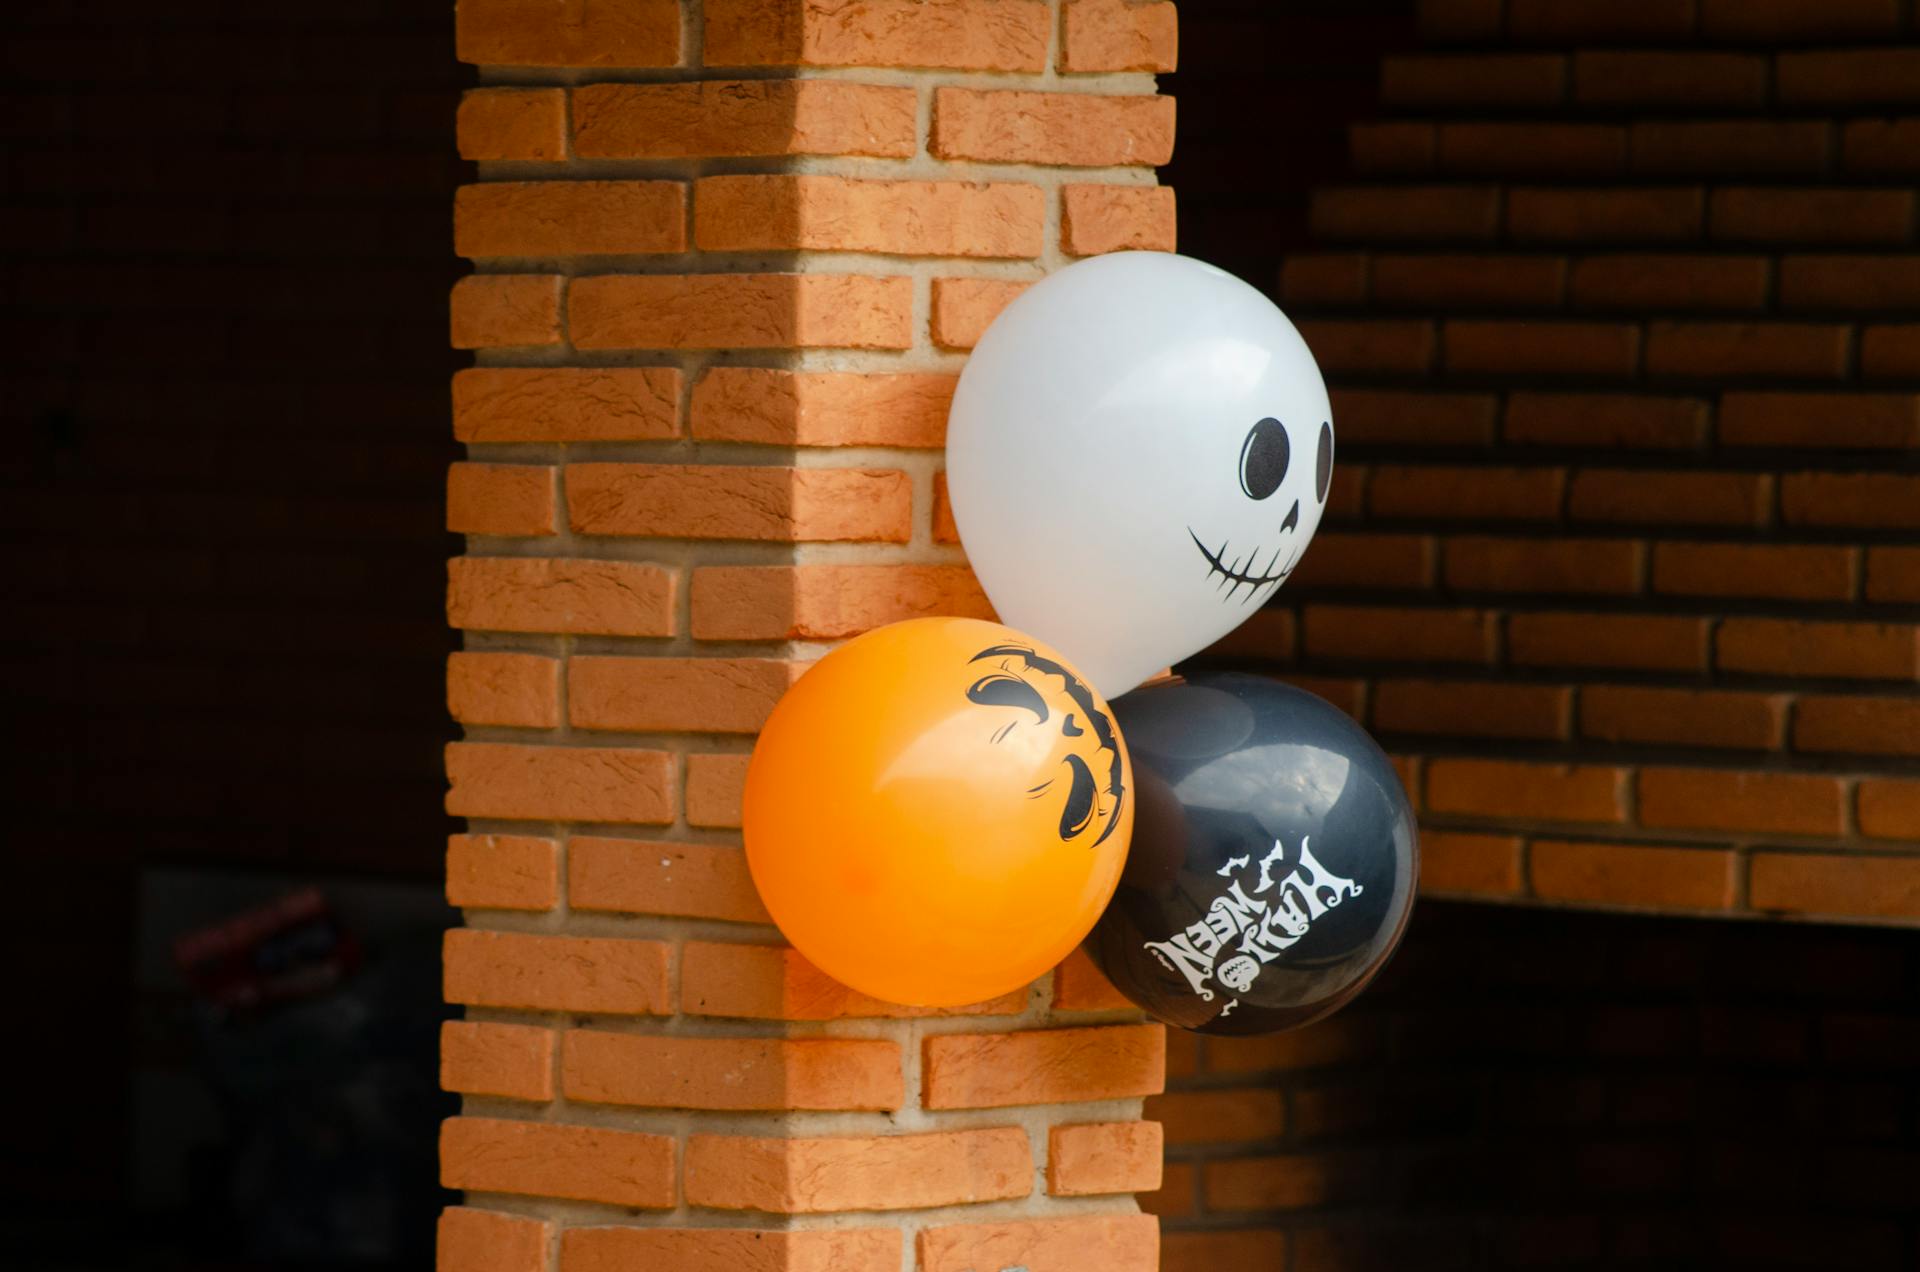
[(503, 872), (1324, 279), (737, 1074), (1575, 21), (1889, 501), (1864, 651), (1889, 809), (1294, 1181), (1533, 149), (1661, 214), (1049, 1066), (773, 982), (620, 1249), (1541, 348), (1877, 146), (506, 311), (502, 499), (740, 118), (1235, 1248), (715, 785), (555, 33), (1434, 491), (1542, 566), (471, 1240), (1868, 421), (894, 1172), (1334, 1041), (968, 35), (1705, 81), (1103, 1157), (1084, 130), (1647, 642), (1668, 282), (1456, 281), (1176, 1196), (1891, 351), (1527, 792), (963, 308), (704, 695), (556, 973), (560, 783), (521, 690), (1735, 147), (1370, 346), (1800, 572), (1116, 218), (576, 1163), (1893, 574), (1683, 717), (1857, 725), (542, 594), (1398, 148), (1495, 80), (821, 408), (1237, 1115), (1808, 883), (733, 501), (1850, 283), (1847, 77), (827, 602), (1268, 634), (528, 124), (1646, 498), (569, 218), (514, 1062), (1118, 35), (1767, 214), (1431, 214), (1633, 874), (1371, 561), (1614, 420), (1779, 350), (1079, 985), (1466, 708), (1350, 632), (1112, 1243), (1790, 21), (640, 876), (1714, 799), (1476, 865), (566, 404), (823, 213), (741, 311)]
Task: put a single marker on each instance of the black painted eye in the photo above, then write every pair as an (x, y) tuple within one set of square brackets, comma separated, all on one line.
[(1078, 814), (1323, 463), (1008, 691), (1263, 459)]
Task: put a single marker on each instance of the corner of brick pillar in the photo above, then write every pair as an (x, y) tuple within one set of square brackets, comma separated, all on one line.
[(728, 261)]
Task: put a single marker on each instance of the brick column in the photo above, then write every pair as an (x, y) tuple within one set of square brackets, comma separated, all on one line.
[(729, 257)]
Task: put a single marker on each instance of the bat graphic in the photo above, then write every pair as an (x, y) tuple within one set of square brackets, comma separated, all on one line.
[(1233, 864)]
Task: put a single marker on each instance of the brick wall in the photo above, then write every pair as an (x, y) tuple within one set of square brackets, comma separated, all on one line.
[(223, 380), (728, 257), (1617, 301)]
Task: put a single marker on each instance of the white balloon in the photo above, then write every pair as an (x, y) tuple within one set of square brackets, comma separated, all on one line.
[(1138, 454)]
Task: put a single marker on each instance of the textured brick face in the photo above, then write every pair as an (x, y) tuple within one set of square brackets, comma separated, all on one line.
[(729, 258)]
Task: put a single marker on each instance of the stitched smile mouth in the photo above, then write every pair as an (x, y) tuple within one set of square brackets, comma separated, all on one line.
[(1241, 572)]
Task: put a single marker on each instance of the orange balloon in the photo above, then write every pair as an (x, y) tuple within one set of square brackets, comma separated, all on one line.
[(938, 811)]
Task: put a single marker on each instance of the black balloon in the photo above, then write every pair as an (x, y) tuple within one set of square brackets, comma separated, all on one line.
[(1273, 862)]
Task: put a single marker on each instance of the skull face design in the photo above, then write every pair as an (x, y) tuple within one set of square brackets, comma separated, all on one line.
[(1237, 973), (1036, 692), (1268, 466)]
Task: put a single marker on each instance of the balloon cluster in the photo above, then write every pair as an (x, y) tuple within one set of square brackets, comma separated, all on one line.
[(1139, 451)]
